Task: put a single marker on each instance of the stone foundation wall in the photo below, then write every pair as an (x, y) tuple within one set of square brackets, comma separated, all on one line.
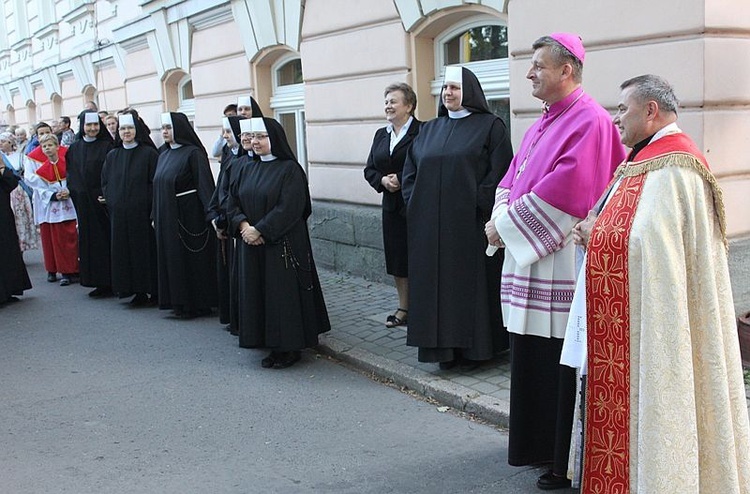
[(348, 238), (739, 271)]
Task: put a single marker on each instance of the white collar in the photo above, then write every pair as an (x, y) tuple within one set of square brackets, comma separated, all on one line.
[(405, 127), (89, 139), (132, 145), (459, 114), (665, 131), (268, 157), (175, 145)]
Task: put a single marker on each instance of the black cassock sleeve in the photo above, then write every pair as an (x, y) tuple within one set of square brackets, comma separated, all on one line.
[(372, 174), (500, 153), (204, 180), (235, 215)]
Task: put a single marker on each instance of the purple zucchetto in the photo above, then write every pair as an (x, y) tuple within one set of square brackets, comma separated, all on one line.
[(572, 42)]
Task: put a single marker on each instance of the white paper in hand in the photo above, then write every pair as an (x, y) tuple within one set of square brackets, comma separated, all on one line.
[(574, 346)]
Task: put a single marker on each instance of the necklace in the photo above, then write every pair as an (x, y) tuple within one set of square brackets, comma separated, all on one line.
[(534, 143)]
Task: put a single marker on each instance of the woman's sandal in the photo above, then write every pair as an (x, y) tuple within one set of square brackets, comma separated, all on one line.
[(392, 321)]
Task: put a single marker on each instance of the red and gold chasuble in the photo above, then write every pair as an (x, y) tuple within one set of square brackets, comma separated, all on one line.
[(606, 468)]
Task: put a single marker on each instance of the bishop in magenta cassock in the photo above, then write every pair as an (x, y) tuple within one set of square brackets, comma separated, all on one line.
[(564, 163)]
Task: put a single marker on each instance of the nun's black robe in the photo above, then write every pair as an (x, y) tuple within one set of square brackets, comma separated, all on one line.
[(185, 240), (127, 183), (225, 249), (281, 301), (85, 161), (14, 278), (449, 181)]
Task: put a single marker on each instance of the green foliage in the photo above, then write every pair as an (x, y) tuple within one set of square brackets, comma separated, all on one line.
[(488, 42)]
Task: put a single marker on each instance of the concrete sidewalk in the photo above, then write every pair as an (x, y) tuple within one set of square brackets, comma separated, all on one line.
[(358, 309)]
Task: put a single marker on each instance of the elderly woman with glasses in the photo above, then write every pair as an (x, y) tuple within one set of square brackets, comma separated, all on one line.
[(281, 301)]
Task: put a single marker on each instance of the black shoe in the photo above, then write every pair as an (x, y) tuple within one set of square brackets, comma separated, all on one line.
[(100, 292), (139, 300), (268, 362), (470, 365), (550, 482), (52, 277), (287, 359), (447, 365)]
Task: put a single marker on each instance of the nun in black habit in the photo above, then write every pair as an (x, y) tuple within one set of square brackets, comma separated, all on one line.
[(451, 172), (281, 301), (14, 278), (127, 186), (85, 160), (218, 216), (185, 240)]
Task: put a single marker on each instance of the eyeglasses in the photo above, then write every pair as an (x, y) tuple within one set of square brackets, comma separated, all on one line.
[(259, 137)]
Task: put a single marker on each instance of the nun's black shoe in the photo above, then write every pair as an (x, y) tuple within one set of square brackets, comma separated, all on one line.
[(139, 300), (268, 362), (550, 482), (287, 359), (448, 365), (470, 365), (100, 292)]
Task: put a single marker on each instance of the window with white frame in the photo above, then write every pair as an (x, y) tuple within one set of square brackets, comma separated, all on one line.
[(481, 45), (186, 98), (288, 103)]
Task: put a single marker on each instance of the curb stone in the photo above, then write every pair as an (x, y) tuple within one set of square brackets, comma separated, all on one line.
[(443, 391)]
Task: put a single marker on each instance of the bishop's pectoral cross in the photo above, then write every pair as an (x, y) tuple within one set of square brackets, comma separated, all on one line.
[(522, 167)]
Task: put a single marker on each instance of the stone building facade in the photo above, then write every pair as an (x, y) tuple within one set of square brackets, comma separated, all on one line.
[(319, 67)]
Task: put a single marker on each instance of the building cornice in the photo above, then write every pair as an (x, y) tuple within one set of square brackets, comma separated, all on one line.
[(48, 30), (135, 28), (213, 17), (78, 13)]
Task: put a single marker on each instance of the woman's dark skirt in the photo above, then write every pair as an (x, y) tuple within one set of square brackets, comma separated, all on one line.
[(394, 244)]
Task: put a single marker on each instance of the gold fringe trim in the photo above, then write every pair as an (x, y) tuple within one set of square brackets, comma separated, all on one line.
[(684, 160)]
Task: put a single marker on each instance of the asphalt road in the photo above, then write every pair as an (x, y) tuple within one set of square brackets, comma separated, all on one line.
[(101, 398)]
